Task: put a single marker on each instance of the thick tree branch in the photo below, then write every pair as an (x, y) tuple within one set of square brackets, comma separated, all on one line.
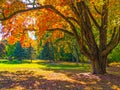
[(67, 20), (22, 11), (104, 17), (113, 43), (85, 51), (104, 25), (113, 35), (86, 28), (90, 14), (60, 29), (73, 19), (33, 3)]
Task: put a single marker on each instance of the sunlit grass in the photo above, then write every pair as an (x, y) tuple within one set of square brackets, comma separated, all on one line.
[(41, 64)]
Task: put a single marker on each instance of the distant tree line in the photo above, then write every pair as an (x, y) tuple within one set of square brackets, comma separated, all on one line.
[(48, 51)]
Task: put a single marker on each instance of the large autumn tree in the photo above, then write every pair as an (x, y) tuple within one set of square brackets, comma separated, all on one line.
[(93, 23)]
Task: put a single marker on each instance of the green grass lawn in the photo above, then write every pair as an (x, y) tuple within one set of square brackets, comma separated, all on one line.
[(41, 64)]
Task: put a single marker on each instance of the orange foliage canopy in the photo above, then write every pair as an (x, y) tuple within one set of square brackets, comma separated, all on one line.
[(39, 20), (15, 28)]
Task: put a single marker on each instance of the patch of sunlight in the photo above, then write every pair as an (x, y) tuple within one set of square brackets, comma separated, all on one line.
[(109, 83), (18, 88), (81, 82), (87, 88), (42, 72), (69, 86), (117, 64), (36, 84), (20, 66), (115, 87), (57, 76), (93, 82), (93, 88)]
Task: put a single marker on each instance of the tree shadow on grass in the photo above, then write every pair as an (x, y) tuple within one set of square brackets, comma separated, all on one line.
[(24, 80), (99, 82), (110, 81)]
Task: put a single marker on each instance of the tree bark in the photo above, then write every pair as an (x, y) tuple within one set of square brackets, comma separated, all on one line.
[(99, 65)]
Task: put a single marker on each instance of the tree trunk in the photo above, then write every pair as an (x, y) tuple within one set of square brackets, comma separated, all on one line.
[(99, 65)]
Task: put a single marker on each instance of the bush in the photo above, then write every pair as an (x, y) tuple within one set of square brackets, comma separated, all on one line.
[(115, 55)]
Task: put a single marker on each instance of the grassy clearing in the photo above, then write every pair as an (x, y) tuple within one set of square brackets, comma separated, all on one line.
[(41, 64)]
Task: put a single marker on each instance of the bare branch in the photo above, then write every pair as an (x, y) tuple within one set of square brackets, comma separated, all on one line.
[(97, 10), (29, 1), (63, 30), (33, 3)]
